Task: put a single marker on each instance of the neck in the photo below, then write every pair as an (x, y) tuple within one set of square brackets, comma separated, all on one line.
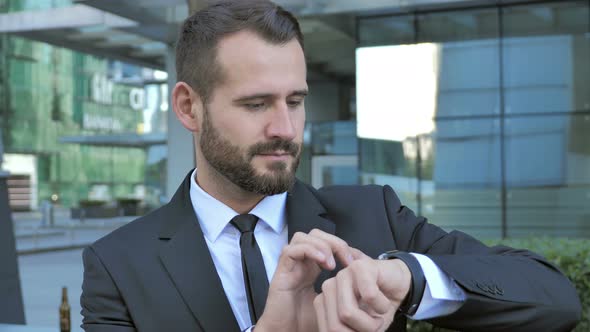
[(225, 191)]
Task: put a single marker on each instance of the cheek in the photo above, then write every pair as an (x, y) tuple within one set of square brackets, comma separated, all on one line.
[(299, 122), (246, 136), (239, 129)]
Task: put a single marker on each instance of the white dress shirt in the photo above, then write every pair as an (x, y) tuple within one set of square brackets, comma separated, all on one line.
[(442, 295)]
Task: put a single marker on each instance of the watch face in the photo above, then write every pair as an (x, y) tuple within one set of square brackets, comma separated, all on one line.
[(387, 255)]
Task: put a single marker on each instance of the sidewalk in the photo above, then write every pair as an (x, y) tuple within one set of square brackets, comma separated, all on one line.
[(66, 233), (49, 258)]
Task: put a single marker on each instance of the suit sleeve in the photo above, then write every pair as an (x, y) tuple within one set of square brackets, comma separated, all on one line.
[(507, 289), (103, 309)]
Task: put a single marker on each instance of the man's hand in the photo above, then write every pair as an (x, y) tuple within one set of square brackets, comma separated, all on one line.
[(364, 296), (289, 306)]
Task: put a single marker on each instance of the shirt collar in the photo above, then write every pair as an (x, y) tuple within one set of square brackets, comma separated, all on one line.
[(214, 216)]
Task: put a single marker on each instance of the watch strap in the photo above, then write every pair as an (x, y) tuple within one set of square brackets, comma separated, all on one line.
[(410, 304)]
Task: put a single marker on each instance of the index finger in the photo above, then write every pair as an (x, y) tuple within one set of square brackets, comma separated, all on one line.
[(342, 251)]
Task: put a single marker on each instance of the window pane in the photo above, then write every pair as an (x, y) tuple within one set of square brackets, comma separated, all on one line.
[(428, 118), (334, 138), (393, 30), (556, 18), (468, 73), (458, 26), (392, 163), (466, 177), (448, 165), (340, 175), (548, 174), (546, 58)]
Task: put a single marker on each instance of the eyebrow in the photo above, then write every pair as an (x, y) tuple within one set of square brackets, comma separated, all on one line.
[(298, 93)]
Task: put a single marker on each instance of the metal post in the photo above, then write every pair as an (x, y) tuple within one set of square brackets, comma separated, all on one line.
[(47, 214), (11, 300), (419, 174), (44, 213), (51, 214), (503, 192)]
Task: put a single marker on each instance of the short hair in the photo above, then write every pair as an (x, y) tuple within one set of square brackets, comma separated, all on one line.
[(196, 49)]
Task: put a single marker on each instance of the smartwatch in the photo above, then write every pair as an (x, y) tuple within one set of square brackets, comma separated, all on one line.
[(410, 304)]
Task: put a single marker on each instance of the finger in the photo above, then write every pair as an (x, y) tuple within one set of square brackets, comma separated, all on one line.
[(318, 305), (357, 254), (349, 311), (321, 244), (294, 253), (331, 306), (370, 297), (339, 247), (388, 319)]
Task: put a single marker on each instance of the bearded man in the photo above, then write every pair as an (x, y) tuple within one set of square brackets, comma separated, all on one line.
[(243, 245)]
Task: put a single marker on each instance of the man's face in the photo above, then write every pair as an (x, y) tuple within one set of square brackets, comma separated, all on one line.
[(252, 128)]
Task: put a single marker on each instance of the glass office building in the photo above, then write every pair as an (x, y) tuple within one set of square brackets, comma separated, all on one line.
[(56, 108), (480, 117)]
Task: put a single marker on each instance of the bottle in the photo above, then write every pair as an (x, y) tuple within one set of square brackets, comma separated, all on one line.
[(64, 312)]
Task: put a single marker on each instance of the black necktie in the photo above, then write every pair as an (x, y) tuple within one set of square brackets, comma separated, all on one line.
[(252, 265)]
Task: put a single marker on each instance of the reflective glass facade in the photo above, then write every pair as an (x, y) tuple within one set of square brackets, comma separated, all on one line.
[(47, 93), (480, 117)]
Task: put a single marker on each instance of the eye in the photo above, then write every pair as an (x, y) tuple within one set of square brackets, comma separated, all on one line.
[(254, 106), (295, 103)]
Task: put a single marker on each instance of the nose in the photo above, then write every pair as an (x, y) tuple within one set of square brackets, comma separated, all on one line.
[(281, 123)]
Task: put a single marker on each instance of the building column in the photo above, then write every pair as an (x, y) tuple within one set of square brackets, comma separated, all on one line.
[(181, 151)]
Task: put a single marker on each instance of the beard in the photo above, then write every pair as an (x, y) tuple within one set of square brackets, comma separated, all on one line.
[(233, 163)]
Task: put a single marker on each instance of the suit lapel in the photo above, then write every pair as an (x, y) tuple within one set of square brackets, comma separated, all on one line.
[(185, 255), (304, 213)]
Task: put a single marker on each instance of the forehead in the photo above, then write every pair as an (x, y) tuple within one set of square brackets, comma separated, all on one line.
[(249, 62)]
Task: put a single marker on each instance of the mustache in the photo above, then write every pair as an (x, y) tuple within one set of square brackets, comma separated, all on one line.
[(275, 145)]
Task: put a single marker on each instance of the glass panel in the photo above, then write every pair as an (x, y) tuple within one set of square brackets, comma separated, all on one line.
[(458, 26), (340, 175), (467, 154), (385, 162), (304, 170), (547, 58), (49, 93), (334, 138), (466, 177), (27, 5), (155, 175), (393, 30), (556, 18), (468, 79), (428, 118), (548, 174), (380, 156), (456, 179)]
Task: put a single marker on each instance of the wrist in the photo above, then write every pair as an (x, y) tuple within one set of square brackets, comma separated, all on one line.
[(406, 279), (398, 278), (267, 324), (412, 295)]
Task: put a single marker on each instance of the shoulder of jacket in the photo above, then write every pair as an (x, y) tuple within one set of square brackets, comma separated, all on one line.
[(134, 232), (343, 197)]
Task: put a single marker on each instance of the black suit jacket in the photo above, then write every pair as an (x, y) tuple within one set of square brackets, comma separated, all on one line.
[(156, 273)]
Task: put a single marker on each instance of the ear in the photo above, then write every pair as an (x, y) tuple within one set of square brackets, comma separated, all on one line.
[(187, 106)]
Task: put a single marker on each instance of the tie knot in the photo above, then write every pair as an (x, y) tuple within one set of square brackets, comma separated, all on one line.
[(244, 222)]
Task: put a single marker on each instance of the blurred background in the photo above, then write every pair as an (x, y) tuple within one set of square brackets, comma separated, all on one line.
[(476, 112)]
